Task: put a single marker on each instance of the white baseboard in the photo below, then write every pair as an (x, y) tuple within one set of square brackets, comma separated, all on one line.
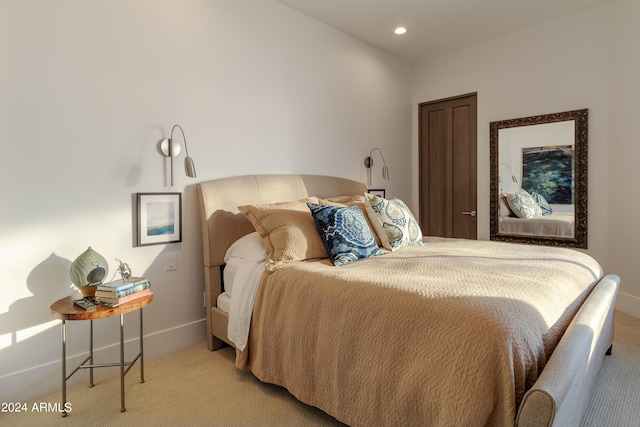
[(28, 384), (629, 304)]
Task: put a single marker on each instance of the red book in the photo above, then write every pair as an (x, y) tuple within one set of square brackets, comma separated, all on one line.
[(113, 302)]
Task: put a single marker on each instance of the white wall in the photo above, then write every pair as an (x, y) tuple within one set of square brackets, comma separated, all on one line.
[(89, 88), (624, 151)]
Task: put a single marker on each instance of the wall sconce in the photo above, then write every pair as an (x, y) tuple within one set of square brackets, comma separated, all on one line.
[(170, 148), (368, 162), (513, 177)]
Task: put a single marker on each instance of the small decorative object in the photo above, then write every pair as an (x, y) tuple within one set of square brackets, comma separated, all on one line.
[(124, 270), (159, 218), (86, 303), (88, 270)]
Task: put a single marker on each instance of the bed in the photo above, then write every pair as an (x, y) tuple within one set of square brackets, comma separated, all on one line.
[(370, 351), (559, 224), (552, 224)]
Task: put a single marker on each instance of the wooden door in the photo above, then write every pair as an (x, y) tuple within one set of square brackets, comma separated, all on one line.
[(448, 180)]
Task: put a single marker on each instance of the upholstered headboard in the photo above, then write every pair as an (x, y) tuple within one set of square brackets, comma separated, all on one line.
[(223, 224)]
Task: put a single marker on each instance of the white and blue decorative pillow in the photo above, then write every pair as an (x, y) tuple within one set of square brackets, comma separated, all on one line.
[(523, 205), (345, 233), (542, 202), (396, 226)]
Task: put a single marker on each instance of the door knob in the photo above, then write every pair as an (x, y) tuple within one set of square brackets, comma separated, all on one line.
[(472, 213)]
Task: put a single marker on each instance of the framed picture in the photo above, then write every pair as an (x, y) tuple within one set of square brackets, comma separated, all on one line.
[(159, 218), (377, 192), (549, 171)]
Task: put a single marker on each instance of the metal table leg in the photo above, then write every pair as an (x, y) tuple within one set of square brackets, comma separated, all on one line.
[(122, 407), (141, 350), (91, 352), (64, 368)]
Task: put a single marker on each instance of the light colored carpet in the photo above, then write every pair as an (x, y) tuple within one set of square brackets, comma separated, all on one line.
[(196, 387), (615, 400)]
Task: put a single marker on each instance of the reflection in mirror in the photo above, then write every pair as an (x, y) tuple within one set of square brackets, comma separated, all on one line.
[(539, 179), (545, 172)]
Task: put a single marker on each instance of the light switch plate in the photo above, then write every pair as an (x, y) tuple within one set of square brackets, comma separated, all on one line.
[(172, 262)]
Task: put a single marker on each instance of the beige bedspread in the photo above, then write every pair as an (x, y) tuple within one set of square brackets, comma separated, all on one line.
[(449, 334)]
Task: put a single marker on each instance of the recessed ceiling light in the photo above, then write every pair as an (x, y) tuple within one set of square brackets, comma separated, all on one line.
[(400, 30)]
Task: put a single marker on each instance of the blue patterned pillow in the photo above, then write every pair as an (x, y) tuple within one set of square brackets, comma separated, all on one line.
[(542, 202), (345, 233)]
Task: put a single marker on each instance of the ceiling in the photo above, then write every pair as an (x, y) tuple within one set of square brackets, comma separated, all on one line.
[(434, 27)]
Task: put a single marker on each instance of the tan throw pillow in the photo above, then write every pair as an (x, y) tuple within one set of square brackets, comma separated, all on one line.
[(288, 231), (505, 210)]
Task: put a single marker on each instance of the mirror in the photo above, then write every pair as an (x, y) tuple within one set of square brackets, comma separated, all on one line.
[(539, 179)]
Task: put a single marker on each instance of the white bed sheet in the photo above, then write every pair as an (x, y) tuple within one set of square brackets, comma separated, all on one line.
[(244, 265), (224, 302), (246, 279)]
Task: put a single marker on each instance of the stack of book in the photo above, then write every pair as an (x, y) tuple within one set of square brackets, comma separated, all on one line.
[(121, 292)]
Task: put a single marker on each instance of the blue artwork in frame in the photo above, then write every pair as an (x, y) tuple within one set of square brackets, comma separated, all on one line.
[(159, 218), (549, 171)]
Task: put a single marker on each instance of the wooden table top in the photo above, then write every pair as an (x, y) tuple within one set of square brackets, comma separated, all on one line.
[(65, 309)]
